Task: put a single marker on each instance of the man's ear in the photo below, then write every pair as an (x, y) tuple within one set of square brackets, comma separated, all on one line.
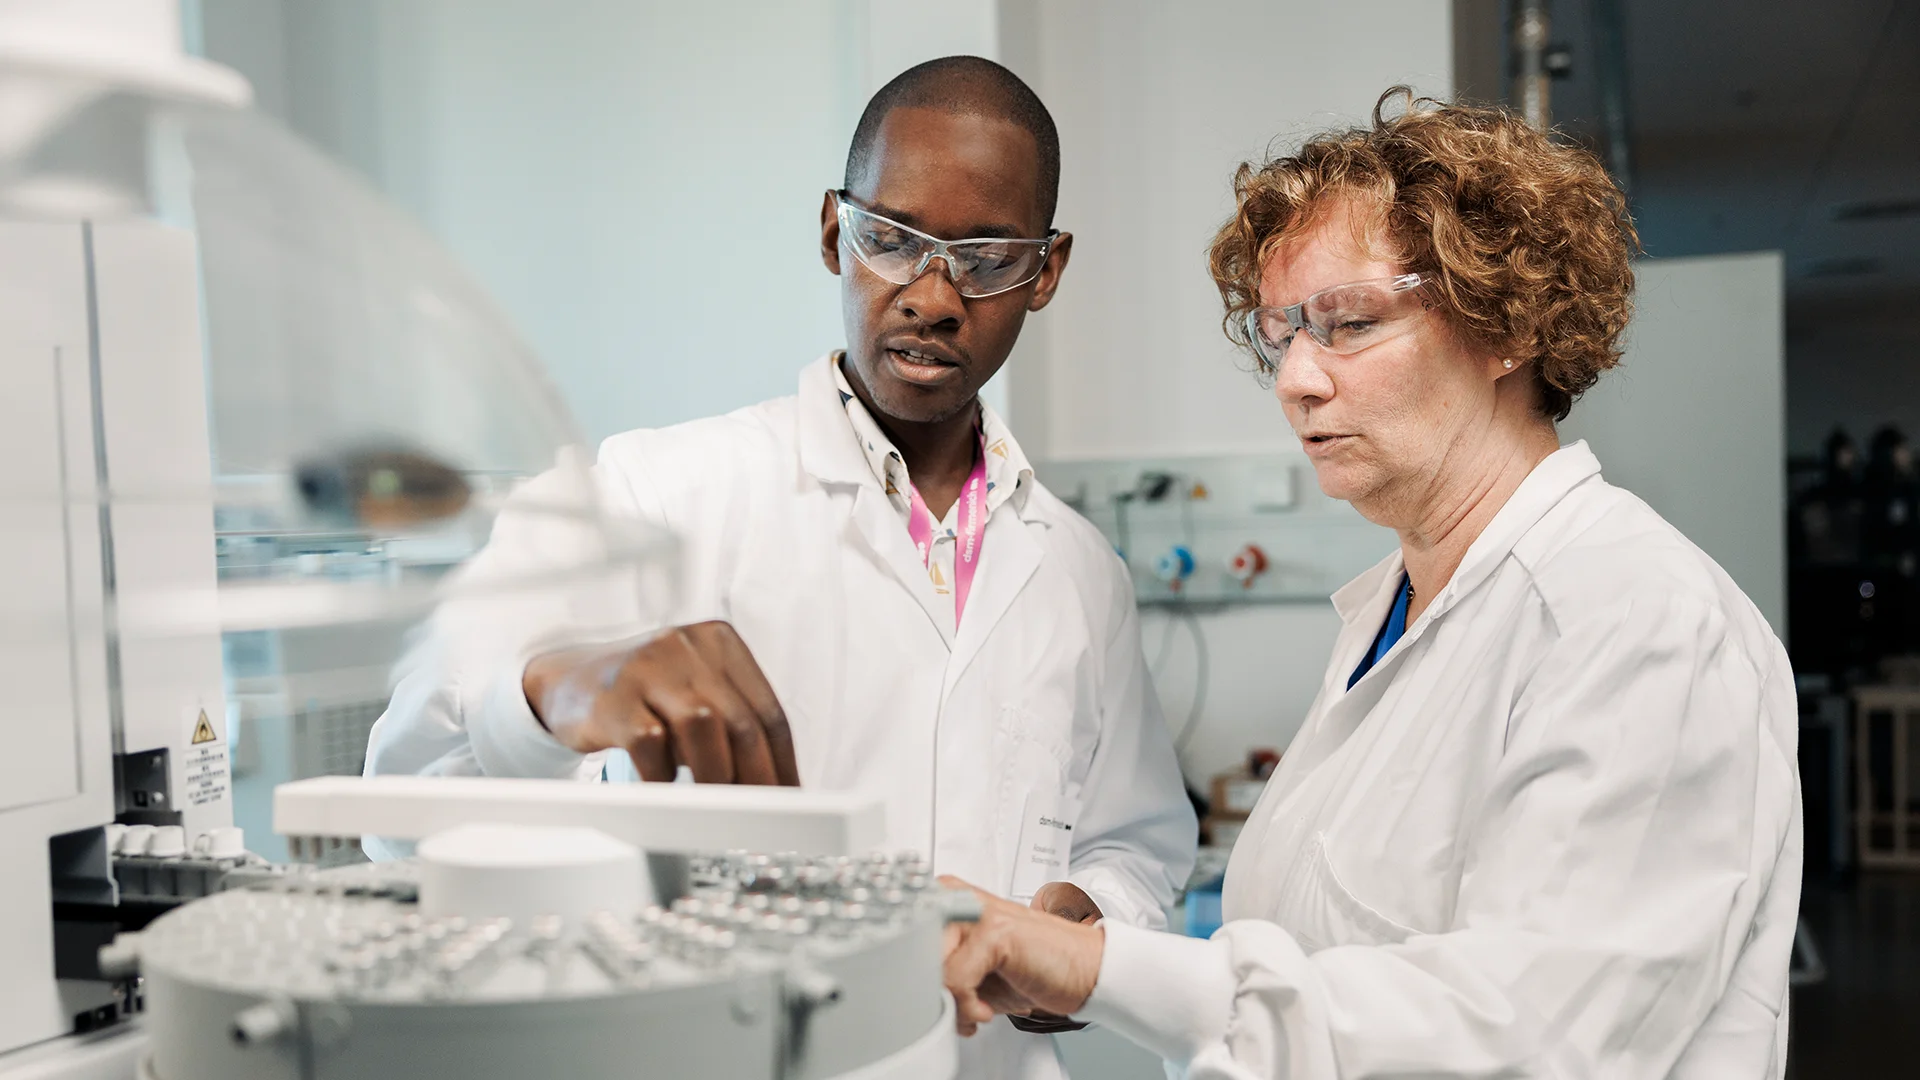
[(1049, 279), (830, 233)]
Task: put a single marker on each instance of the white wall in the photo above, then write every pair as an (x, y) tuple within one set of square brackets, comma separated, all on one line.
[(638, 183), (1693, 421), (1157, 103)]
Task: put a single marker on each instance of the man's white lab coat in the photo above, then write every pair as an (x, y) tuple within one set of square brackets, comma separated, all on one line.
[(1555, 832), (1040, 697)]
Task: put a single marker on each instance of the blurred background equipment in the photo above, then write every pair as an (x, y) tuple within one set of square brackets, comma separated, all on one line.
[(302, 701), (1226, 529), (1232, 796)]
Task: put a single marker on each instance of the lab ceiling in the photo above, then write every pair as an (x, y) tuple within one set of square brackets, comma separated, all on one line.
[(1756, 124)]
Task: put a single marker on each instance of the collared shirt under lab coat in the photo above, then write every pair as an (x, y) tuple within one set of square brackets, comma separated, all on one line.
[(1555, 832), (786, 533), (1006, 467)]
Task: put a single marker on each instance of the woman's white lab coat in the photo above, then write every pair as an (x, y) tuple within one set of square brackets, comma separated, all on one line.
[(1038, 702), (1555, 832)]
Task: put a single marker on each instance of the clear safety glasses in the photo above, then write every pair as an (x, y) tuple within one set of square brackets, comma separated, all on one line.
[(1343, 319), (900, 254)]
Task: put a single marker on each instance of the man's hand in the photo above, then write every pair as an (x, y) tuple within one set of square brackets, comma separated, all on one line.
[(690, 696), (1066, 900), (1017, 960)]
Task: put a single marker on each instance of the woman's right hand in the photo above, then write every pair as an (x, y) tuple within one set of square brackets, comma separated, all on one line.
[(692, 695), (1017, 960)]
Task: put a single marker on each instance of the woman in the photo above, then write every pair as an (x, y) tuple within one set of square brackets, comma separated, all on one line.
[(1543, 819)]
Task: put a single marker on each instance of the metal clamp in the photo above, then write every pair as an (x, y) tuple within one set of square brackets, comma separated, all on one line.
[(804, 990)]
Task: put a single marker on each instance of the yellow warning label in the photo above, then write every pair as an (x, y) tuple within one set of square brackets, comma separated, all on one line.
[(203, 731)]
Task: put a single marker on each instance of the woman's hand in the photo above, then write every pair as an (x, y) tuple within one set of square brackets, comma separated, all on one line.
[(1069, 902), (1017, 960)]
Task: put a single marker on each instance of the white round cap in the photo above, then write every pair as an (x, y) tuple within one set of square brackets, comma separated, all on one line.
[(136, 839), (523, 871), (226, 842), (169, 842)]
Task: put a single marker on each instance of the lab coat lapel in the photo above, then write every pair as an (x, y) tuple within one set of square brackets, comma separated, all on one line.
[(1008, 560), (829, 453), (1363, 605), (1543, 489)]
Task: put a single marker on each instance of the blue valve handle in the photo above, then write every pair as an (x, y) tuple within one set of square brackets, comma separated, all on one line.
[(1175, 565)]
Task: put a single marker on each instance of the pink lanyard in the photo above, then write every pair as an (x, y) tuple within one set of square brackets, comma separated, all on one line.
[(971, 539)]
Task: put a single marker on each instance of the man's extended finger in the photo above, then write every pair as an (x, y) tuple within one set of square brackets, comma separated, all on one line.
[(699, 735), (772, 733), (752, 761), (647, 740), (736, 662), (1066, 900), (700, 743)]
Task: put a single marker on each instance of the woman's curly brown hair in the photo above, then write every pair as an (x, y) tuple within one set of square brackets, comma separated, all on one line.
[(1527, 242)]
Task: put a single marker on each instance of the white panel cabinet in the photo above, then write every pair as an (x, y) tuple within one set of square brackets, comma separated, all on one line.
[(1694, 420)]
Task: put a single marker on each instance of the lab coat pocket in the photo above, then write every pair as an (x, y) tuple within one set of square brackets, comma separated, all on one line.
[(1327, 913), (1034, 812)]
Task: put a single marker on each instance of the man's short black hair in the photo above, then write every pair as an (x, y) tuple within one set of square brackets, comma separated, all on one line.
[(969, 86)]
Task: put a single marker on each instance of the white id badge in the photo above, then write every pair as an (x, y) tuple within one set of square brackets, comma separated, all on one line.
[(1046, 840)]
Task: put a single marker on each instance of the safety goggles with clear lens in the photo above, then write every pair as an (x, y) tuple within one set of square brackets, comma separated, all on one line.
[(900, 254), (1342, 319)]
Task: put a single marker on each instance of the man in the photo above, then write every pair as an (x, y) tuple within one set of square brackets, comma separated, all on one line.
[(875, 592)]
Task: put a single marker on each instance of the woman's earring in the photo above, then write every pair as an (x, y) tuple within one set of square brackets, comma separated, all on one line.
[(1509, 364)]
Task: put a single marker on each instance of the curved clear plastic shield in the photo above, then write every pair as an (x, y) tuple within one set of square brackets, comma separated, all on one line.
[(282, 424)]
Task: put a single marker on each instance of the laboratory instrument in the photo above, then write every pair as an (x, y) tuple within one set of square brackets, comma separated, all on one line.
[(538, 930)]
